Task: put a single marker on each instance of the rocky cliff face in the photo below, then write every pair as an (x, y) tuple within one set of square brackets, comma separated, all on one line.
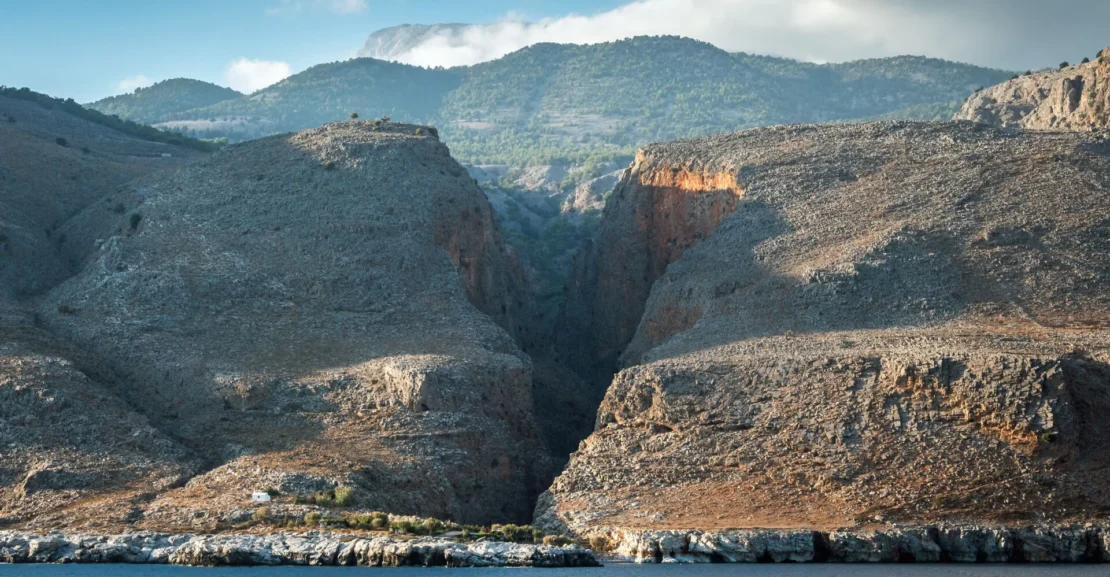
[(657, 212), (331, 307), (1073, 98), (850, 325)]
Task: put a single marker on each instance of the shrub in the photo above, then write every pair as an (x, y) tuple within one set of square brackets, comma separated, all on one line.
[(135, 219), (344, 496), (555, 540), (119, 208), (1085, 61), (85, 150), (514, 532), (537, 536), (273, 492), (261, 514), (64, 309), (354, 115), (420, 132), (3, 238), (401, 527), (433, 526), (61, 141), (312, 519), (329, 165), (386, 119), (599, 543), (1064, 65)]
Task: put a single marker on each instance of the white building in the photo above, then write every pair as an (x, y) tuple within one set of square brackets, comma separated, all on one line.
[(257, 497)]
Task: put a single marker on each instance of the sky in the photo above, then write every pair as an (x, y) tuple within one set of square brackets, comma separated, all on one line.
[(88, 50)]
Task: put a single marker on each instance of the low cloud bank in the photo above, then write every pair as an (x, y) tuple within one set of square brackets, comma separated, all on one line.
[(1002, 33)]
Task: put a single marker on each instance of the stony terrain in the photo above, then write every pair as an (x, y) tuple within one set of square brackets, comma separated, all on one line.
[(839, 326), (313, 310), (314, 548), (1072, 98), (66, 439)]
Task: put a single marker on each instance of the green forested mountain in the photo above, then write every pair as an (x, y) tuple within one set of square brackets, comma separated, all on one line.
[(129, 127), (552, 101), (156, 103)]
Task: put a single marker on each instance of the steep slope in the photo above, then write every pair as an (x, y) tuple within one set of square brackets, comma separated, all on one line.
[(856, 324), (72, 452), (87, 162), (162, 99), (318, 309), (1072, 98)]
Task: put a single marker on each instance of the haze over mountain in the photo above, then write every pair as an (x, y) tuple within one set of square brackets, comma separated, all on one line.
[(1002, 33)]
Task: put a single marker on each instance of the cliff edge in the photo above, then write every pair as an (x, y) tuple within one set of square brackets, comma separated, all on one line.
[(1072, 98), (849, 326)]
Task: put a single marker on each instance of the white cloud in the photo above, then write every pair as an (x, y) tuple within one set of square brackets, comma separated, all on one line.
[(130, 84), (337, 6), (1005, 33), (246, 75)]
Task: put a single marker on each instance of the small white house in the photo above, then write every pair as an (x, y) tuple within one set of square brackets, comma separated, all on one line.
[(257, 497)]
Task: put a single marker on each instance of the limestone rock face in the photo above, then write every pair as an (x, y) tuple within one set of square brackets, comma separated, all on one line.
[(324, 304), (861, 325), (1073, 98)]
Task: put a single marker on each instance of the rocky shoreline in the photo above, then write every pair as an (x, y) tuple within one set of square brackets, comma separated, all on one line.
[(1050, 544), (312, 549)]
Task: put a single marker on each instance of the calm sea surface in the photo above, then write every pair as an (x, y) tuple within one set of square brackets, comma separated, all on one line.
[(608, 571)]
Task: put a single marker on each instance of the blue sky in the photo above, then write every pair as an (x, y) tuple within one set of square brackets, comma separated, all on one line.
[(88, 49), (83, 49)]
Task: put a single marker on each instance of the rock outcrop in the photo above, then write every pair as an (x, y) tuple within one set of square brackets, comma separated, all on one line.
[(313, 549), (854, 326), (1072, 98)]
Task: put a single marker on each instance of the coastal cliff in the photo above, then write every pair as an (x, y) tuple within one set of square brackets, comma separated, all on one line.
[(894, 324)]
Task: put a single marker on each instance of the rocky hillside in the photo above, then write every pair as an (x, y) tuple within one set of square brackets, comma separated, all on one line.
[(1072, 98), (162, 99), (327, 308), (66, 437), (854, 325)]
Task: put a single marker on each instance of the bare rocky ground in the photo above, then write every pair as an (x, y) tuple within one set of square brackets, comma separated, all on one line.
[(1075, 97), (333, 307), (318, 309), (66, 439), (870, 326)]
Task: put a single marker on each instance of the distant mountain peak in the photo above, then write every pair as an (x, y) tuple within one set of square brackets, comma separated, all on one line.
[(393, 42)]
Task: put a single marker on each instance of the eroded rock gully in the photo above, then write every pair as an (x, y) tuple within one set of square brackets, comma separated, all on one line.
[(895, 324)]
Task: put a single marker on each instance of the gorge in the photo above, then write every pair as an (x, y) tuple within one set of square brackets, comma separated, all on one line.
[(875, 341)]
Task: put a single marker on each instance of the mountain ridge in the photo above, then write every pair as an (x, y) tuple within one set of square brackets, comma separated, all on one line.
[(563, 101)]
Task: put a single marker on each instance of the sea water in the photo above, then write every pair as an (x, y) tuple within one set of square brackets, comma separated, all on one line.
[(612, 570)]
